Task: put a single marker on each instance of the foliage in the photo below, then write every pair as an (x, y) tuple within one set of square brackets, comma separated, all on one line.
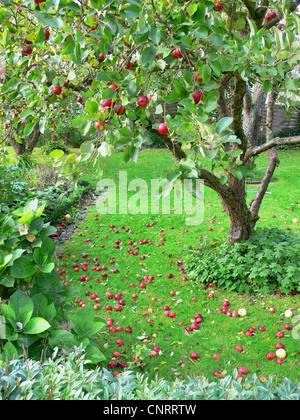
[(156, 142), (13, 187), (33, 323), (267, 261), (72, 380), (27, 262), (87, 48), (27, 252), (54, 145), (25, 161), (57, 208)]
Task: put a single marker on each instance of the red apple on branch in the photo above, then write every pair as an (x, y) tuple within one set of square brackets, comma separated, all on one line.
[(142, 101), (162, 128), (176, 53), (198, 96)]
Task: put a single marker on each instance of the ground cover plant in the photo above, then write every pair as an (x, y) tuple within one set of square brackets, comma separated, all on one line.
[(71, 379)]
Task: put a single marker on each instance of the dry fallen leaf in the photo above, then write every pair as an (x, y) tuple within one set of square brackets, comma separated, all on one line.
[(30, 238)]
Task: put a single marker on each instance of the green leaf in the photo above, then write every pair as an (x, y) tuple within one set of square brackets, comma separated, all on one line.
[(131, 88), (94, 354), (23, 268), (28, 129), (40, 256), (10, 351), (61, 338), (57, 154), (267, 86), (155, 35), (91, 107), (131, 154), (223, 179), (37, 325), (192, 9), (49, 20), (69, 46), (109, 93), (21, 303), (148, 55), (40, 305), (8, 314), (78, 122), (223, 124), (46, 268), (40, 38), (76, 57)]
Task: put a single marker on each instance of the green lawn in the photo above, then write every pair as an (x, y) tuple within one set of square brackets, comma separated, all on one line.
[(217, 333)]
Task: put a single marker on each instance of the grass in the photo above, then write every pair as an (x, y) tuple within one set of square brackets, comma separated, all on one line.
[(218, 333)]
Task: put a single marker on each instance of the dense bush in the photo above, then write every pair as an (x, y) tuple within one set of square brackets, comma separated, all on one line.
[(54, 145), (56, 208), (33, 299), (13, 187), (268, 260), (68, 378)]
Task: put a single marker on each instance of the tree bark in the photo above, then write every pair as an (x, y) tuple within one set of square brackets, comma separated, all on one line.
[(254, 106), (22, 148), (53, 136), (34, 139), (273, 159), (239, 215), (67, 138), (19, 148)]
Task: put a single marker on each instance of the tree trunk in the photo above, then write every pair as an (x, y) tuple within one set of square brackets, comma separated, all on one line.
[(235, 205), (19, 148), (34, 139), (254, 106), (273, 159), (240, 219), (53, 136), (22, 148), (67, 138)]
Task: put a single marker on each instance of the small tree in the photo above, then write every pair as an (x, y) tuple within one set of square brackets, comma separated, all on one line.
[(221, 62)]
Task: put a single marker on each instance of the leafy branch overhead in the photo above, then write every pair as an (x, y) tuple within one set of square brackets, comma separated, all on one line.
[(187, 72)]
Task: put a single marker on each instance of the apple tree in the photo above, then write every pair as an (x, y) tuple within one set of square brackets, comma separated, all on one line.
[(125, 63)]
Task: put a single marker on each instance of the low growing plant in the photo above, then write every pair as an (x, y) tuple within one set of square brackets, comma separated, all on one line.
[(71, 378), (32, 296), (268, 261)]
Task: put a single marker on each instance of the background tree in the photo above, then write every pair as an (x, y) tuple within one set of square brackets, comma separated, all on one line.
[(219, 61)]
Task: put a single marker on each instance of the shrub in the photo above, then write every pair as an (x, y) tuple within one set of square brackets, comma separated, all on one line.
[(13, 187), (58, 208), (31, 315), (268, 260), (54, 145), (71, 379)]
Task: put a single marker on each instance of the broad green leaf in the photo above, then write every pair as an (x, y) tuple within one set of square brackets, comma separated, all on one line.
[(148, 55), (57, 154), (37, 325), (49, 20), (223, 124), (23, 268), (68, 46)]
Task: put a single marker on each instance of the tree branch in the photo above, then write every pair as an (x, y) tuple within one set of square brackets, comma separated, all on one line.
[(237, 98), (251, 8), (255, 204), (278, 141), (223, 108), (210, 180)]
